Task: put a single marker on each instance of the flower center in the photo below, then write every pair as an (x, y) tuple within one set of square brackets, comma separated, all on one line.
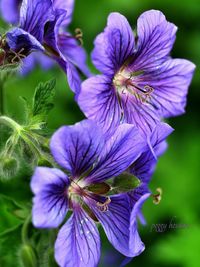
[(127, 84), (78, 191)]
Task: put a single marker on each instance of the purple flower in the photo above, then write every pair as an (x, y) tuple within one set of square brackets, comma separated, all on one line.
[(44, 22), (90, 160), (140, 82)]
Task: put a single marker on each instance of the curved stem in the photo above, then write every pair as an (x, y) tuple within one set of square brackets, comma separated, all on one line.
[(24, 233), (10, 123)]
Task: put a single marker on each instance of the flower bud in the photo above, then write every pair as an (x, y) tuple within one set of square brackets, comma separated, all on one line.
[(27, 256), (9, 167)]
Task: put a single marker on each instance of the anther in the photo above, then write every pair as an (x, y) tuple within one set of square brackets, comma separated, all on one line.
[(79, 35), (157, 197)]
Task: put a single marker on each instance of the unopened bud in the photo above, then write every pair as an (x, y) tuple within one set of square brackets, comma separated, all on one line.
[(27, 256), (9, 167)]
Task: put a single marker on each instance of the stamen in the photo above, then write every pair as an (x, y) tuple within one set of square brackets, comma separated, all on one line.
[(104, 206), (17, 55)]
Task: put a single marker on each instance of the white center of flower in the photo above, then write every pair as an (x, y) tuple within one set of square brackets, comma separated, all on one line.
[(128, 84)]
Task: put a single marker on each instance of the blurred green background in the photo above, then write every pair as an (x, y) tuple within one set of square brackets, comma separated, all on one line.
[(178, 170)]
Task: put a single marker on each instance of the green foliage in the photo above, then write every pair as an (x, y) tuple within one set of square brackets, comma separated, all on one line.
[(43, 98)]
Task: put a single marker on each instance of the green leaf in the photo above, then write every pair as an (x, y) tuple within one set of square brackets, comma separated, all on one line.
[(12, 214), (124, 183), (43, 98)]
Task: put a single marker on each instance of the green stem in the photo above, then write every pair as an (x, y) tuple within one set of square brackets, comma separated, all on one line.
[(24, 233), (10, 123)]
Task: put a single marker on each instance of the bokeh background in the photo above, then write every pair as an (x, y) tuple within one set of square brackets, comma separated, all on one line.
[(178, 170)]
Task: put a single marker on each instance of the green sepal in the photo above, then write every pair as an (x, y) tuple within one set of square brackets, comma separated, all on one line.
[(123, 183), (99, 188)]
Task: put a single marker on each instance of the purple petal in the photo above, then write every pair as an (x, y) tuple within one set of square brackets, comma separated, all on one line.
[(141, 114), (50, 204), (156, 37), (67, 5), (98, 101), (34, 15), (63, 57), (20, 40), (120, 151), (73, 77), (170, 84), (134, 236), (78, 242), (10, 10), (73, 52), (118, 227), (114, 45), (144, 166), (28, 64), (77, 147), (44, 61)]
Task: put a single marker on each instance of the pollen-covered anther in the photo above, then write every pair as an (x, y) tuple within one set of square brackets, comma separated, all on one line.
[(157, 197), (104, 206), (79, 35)]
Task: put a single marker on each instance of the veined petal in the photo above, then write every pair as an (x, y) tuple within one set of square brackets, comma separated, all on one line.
[(140, 113), (34, 15), (10, 10), (78, 242), (120, 151), (134, 235), (170, 83), (156, 37), (73, 52), (20, 40), (50, 203), (61, 45), (67, 5), (144, 166), (73, 77), (77, 147), (116, 222), (114, 45), (99, 102)]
